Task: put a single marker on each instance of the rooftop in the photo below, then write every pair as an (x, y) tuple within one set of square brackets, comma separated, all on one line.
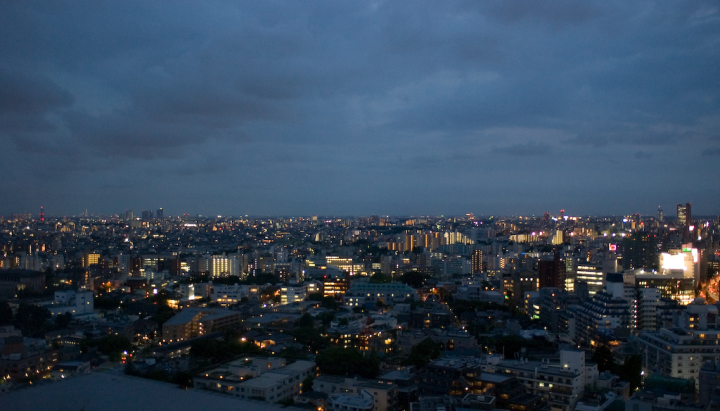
[(108, 392), (188, 314)]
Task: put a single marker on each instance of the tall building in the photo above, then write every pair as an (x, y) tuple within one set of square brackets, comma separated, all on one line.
[(147, 215), (647, 308), (684, 215), (552, 272), (477, 261), (160, 214), (640, 250), (660, 214)]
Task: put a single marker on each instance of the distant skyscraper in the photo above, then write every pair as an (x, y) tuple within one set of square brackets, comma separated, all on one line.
[(684, 215), (42, 214), (660, 214), (147, 215), (160, 214)]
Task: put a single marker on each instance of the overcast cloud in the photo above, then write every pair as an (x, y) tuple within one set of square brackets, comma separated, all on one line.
[(359, 107)]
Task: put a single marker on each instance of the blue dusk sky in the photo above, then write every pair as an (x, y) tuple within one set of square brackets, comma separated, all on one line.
[(359, 107)]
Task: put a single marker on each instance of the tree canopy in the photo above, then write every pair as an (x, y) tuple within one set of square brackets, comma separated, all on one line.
[(424, 352), (380, 278), (414, 279), (347, 361)]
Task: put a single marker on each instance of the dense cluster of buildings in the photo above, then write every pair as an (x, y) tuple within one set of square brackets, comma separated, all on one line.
[(642, 286)]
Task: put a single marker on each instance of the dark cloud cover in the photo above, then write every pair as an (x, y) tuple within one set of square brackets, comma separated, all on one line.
[(340, 107)]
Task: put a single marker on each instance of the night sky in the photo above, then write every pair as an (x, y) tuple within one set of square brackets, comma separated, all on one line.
[(359, 107)]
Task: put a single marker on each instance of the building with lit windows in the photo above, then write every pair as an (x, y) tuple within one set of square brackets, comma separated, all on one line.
[(683, 263), (640, 250), (261, 378), (560, 383), (647, 308), (384, 396), (389, 293), (81, 304), (477, 261), (346, 264), (291, 294), (607, 310), (672, 285), (226, 295), (193, 322), (592, 275), (551, 271), (225, 265), (681, 351), (684, 215), (516, 284), (335, 287), (90, 259)]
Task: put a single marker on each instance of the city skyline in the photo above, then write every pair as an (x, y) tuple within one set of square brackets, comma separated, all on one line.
[(40, 214), (355, 108)]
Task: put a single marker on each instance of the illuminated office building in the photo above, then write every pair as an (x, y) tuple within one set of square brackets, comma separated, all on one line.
[(672, 285), (90, 259), (592, 275), (345, 264)]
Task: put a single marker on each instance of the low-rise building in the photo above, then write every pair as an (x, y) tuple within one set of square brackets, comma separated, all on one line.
[(560, 383), (265, 379), (385, 396), (192, 322), (388, 293)]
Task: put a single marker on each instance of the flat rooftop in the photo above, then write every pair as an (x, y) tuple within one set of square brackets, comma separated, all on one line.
[(100, 391)]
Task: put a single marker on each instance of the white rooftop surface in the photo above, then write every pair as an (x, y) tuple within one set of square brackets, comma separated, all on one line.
[(108, 392)]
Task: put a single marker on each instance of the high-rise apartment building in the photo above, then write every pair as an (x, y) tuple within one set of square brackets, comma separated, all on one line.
[(477, 261), (160, 214)]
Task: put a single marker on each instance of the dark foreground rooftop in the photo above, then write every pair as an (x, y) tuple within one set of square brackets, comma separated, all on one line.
[(108, 392)]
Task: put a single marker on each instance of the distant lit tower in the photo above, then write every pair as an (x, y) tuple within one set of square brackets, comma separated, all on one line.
[(660, 214), (562, 214), (684, 215), (546, 215), (160, 213), (42, 214)]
